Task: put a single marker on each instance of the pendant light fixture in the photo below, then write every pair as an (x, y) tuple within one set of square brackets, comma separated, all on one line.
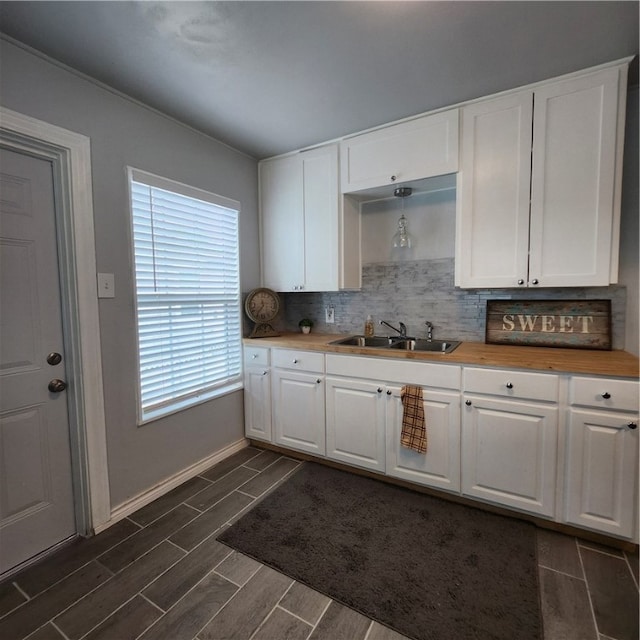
[(401, 238)]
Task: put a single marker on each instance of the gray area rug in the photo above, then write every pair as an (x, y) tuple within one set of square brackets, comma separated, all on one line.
[(431, 569)]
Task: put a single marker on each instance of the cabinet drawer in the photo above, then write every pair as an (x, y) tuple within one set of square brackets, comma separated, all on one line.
[(604, 393), (443, 376), (511, 384), (256, 356), (298, 360)]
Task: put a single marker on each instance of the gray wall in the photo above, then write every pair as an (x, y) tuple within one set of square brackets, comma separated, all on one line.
[(125, 133), (417, 285)]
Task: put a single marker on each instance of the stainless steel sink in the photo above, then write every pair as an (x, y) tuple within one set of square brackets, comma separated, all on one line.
[(393, 342), (363, 341), (420, 344)]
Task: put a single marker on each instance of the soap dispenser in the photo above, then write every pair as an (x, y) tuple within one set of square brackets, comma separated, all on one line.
[(368, 327)]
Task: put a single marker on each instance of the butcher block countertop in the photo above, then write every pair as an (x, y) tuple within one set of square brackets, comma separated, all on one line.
[(605, 363)]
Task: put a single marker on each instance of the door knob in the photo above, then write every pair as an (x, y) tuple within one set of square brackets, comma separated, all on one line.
[(54, 358), (56, 386)]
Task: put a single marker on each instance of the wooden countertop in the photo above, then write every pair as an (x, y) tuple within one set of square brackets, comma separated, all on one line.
[(605, 363)]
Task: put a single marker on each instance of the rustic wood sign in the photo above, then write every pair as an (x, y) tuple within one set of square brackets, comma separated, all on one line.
[(578, 324)]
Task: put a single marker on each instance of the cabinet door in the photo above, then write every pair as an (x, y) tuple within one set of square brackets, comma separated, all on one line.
[(356, 422), (602, 472), (440, 466), (420, 148), (509, 452), (298, 410), (282, 223), (572, 190), (257, 403), (320, 178), (492, 224)]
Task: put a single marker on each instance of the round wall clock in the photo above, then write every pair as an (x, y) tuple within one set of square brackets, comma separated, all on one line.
[(262, 306)]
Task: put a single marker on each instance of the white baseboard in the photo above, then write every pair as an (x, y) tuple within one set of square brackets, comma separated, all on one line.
[(143, 499)]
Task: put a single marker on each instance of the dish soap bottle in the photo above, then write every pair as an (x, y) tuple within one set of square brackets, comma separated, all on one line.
[(368, 327)]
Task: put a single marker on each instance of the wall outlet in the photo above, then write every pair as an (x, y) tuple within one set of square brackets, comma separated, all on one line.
[(330, 315), (106, 285)]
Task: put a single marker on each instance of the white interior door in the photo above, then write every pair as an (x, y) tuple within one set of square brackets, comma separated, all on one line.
[(36, 490)]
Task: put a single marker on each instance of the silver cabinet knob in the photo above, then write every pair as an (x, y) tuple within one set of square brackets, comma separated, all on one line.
[(394, 178), (264, 373), (379, 389), (509, 385), (521, 281), (254, 356), (295, 361), (468, 403), (606, 395), (318, 381), (535, 281), (632, 425), (388, 392)]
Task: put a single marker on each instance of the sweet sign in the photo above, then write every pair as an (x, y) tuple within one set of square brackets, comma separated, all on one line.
[(579, 324)]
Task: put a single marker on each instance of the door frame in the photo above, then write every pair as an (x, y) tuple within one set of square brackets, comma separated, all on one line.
[(70, 157)]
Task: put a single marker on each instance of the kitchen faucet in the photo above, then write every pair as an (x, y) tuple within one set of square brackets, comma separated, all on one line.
[(402, 330), (429, 331)]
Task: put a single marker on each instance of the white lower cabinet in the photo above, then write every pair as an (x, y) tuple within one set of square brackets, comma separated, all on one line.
[(509, 442), (356, 422), (602, 456), (439, 467), (364, 418), (496, 442), (298, 400), (257, 394)]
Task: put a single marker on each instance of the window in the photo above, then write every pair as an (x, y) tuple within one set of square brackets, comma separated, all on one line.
[(187, 275)]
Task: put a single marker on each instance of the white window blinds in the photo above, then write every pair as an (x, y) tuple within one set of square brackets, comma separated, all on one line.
[(187, 294)]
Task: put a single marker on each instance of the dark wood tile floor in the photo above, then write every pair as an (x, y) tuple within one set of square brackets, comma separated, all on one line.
[(162, 574)]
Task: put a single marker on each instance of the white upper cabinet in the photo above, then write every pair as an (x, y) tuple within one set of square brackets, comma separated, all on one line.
[(300, 222), (411, 150), (562, 144), (493, 192), (573, 177), (282, 223)]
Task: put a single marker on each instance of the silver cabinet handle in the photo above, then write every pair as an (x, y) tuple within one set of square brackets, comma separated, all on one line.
[(318, 380), (295, 361), (264, 373), (254, 356), (632, 425), (394, 178), (535, 281), (509, 385), (468, 403), (379, 389), (388, 392), (521, 281), (606, 395)]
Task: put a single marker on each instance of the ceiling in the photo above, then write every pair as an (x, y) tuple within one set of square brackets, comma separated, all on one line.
[(270, 77)]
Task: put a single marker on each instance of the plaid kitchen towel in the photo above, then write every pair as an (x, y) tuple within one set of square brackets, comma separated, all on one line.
[(414, 432)]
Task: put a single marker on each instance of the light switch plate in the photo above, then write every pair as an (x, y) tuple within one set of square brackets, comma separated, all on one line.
[(106, 285)]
